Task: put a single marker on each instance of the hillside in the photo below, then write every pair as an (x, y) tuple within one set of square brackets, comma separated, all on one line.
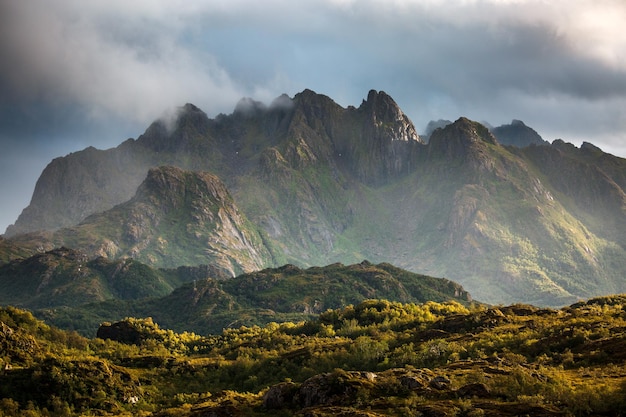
[(176, 218), (315, 183), (209, 304), (375, 358), (10, 251), (66, 277)]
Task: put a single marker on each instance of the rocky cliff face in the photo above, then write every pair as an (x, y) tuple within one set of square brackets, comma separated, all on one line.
[(320, 183), (518, 134), (82, 183), (176, 217), (384, 143), (463, 139)]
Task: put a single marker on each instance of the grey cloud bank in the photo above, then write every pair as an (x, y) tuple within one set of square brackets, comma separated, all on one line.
[(75, 74)]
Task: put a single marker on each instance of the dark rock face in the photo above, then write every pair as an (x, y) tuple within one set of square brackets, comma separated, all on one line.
[(121, 331), (389, 142), (477, 390), (439, 383), (280, 396), (482, 320), (518, 134), (331, 389), (413, 382), (459, 140), (375, 142), (79, 184), (319, 390)]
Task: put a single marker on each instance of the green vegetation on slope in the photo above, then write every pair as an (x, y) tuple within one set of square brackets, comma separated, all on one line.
[(280, 294), (177, 217), (317, 183), (65, 277), (375, 358)]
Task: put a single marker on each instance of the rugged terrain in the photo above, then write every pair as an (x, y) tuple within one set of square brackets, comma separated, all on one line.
[(314, 183), (69, 290), (176, 218), (375, 358)]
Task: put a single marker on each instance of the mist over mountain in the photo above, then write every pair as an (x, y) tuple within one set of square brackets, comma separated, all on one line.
[(315, 183), (518, 134), (433, 125)]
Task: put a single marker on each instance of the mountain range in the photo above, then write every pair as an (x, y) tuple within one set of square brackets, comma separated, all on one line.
[(308, 182)]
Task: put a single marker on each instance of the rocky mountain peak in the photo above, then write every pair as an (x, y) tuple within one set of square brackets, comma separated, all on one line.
[(457, 139), (315, 113), (194, 209), (384, 113), (170, 186), (315, 105), (190, 113), (191, 108), (282, 101), (590, 147), (249, 107), (175, 131), (517, 134)]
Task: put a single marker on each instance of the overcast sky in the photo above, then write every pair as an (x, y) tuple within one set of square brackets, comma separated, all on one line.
[(77, 73)]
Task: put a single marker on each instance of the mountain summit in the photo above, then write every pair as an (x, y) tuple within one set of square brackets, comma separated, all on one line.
[(176, 218), (306, 181), (518, 134)]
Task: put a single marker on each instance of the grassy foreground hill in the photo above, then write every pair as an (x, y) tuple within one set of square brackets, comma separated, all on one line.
[(375, 358)]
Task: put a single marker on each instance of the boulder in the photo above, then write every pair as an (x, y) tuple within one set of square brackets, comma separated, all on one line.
[(477, 390), (280, 395), (439, 383)]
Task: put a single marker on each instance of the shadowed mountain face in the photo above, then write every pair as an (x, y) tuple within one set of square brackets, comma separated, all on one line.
[(176, 217), (314, 183), (373, 141), (66, 277), (518, 134)]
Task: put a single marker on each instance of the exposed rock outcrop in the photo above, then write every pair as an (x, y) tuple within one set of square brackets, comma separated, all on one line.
[(518, 134), (176, 217), (120, 331)]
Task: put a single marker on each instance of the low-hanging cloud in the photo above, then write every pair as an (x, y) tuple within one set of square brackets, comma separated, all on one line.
[(136, 59), (118, 63)]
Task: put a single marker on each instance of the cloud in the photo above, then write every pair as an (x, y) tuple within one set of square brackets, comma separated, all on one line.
[(134, 60), (119, 60), (77, 73)]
